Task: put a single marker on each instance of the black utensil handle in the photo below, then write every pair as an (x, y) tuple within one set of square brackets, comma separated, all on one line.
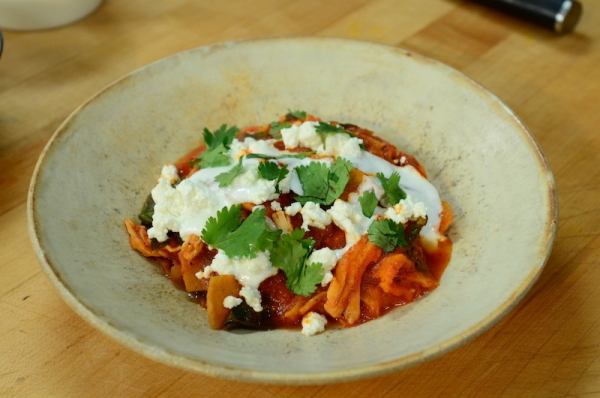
[(558, 15)]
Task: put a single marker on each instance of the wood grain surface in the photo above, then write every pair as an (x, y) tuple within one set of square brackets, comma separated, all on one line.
[(549, 346)]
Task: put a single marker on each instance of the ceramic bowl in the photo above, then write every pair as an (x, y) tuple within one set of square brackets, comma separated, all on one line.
[(104, 159), (43, 14)]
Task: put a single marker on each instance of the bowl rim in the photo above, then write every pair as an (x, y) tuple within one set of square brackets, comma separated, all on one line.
[(268, 377)]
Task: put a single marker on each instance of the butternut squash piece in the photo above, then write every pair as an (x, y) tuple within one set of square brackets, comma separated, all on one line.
[(176, 276), (191, 264), (219, 287)]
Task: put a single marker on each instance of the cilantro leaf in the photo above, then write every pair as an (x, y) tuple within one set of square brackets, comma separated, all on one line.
[(393, 192), (269, 170), (295, 114), (314, 178), (217, 144), (218, 228), (368, 202), (312, 275), (272, 172), (276, 127), (225, 179), (227, 232), (324, 129), (212, 158), (289, 253), (222, 135), (387, 234), (321, 184)]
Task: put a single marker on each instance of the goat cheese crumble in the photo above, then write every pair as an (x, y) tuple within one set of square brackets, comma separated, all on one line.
[(313, 323)]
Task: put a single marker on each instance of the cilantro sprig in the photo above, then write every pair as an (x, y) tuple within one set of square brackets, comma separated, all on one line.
[(393, 192), (272, 172), (368, 202), (321, 184), (325, 129), (239, 238), (387, 234), (290, 254), (217, 143), (295, 115), (225, 179), (276, 127)]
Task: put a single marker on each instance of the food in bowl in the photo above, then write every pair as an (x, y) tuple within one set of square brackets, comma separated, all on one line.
[(296, 223)]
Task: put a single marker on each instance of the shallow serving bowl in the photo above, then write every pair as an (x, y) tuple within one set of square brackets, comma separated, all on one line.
[(104, 159)]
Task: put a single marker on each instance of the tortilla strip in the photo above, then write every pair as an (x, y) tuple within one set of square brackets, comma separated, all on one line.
[(343, 294)]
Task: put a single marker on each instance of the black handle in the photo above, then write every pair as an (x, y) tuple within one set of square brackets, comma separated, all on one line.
[(558, 15)]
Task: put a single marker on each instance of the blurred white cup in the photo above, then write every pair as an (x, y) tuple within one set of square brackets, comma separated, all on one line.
[(43, 14)]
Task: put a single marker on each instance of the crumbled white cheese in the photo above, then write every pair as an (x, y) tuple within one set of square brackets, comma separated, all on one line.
[(313, 323), (248, 271), (335, 145), (170, 173), (340, 145), (406, 210), (168, 209), (276, 206), (328, 260), (349, 217), (285, 185), (231, 301), (204, 274), (313, 215), (304, 136), (186, 207), (252, 297), (293, 209)]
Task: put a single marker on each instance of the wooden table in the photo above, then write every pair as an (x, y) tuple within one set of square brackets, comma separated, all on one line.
[(548, 346)]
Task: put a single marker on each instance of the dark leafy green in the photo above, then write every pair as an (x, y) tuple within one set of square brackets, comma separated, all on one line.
[(147, 212)]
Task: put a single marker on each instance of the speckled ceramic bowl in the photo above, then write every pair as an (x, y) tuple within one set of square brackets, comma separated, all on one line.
[(104, 159)]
